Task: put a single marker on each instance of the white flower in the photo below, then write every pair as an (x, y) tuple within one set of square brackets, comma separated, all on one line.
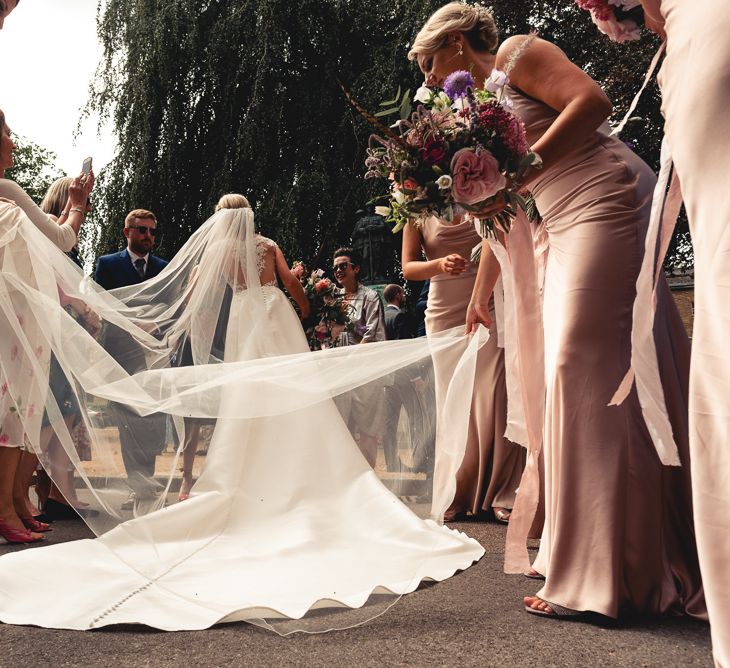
[(441, 101), (423, 95), (398, 196), (496, 82), (462, 104), (319, 273), (382, 211), (444, 182)]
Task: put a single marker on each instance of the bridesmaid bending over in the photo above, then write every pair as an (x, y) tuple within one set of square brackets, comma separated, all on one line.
[(618, 536)]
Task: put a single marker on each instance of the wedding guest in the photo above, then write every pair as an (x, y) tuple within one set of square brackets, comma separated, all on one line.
[(136, 262), (489, 475), (16, 526), (363, 413), (57, 494), (397, 322), (131, 266), (698, 137), (608, 497), (421, 305)]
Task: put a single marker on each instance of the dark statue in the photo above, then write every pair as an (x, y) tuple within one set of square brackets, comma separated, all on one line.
[(373, 238)]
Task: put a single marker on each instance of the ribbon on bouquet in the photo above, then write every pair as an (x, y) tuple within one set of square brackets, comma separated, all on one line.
[(644, 369), (525, 371)]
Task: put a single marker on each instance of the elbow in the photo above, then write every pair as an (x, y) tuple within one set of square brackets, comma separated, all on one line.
[(407, 270), (599, 105)]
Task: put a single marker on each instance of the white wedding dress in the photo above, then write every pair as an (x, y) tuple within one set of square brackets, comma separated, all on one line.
[(287, 516)]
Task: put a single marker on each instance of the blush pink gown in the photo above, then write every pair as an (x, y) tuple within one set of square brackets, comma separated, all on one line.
[(490, 472), (618, 535), (695, 84)]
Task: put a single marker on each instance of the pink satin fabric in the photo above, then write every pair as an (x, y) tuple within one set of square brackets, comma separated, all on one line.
[(695, 83), (618, 532), (492, 465)]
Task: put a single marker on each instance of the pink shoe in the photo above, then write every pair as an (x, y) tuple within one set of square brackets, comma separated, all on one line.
[(13, 535), (35, 525)]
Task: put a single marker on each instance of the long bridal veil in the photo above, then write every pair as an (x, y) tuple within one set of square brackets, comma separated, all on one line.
[(288, 517)]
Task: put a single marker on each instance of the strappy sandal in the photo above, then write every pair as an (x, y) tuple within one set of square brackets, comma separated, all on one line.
[(533, 575), (502, 515), (557, 612), (35, 525)]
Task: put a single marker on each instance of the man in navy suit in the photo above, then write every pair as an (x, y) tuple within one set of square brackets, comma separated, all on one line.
[(135, 263), (141, 438)]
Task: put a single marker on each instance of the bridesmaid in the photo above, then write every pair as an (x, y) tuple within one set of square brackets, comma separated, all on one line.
[(699, 138), (618, 536), (492, 466)]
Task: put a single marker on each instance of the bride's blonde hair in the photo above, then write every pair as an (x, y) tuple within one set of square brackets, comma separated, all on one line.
[(475, 21), (232, 201)]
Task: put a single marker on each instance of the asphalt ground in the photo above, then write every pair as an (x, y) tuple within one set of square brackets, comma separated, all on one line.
[(473, 619)]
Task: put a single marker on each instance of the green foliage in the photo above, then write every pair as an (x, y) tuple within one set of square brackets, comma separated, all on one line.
[(214, 96), (34, 168)]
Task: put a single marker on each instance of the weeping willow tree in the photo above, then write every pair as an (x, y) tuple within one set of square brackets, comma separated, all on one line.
[(213, 96)]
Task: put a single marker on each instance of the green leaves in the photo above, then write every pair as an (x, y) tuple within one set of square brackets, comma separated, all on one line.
[(400, 104)]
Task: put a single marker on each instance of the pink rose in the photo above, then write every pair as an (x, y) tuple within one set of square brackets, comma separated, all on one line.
[(3, 390), (476, 176), (618, 31), (323, 285), (298, 271), (4, 440)]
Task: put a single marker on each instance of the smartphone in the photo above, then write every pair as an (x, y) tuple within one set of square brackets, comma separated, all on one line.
[(86, 166)]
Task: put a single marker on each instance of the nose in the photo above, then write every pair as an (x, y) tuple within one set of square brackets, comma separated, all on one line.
[(430, 79)]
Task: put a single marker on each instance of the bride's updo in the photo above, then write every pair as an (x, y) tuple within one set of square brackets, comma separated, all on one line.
[(475, 21), (232, 201)]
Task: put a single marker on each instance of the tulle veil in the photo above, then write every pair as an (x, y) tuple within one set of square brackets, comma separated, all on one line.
[(136, 366)]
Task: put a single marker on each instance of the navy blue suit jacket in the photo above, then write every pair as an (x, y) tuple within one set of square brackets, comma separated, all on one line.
[(117, 271)]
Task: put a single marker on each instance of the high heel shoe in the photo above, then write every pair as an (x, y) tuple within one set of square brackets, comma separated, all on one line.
[(35, 525), (16, 536)]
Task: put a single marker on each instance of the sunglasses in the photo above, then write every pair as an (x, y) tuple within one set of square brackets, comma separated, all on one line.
[(342, 266), (142, 229)]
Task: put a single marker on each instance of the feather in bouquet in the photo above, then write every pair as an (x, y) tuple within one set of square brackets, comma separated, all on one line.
[(621, 20), (330, 314), (461, 151)]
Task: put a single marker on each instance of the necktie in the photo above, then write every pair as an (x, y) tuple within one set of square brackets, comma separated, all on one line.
[(139, 264)]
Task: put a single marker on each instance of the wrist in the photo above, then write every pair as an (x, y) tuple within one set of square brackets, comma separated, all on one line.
[(77, 209)]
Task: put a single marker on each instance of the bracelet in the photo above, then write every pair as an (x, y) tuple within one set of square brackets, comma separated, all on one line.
[(78, 209), (64, 214)]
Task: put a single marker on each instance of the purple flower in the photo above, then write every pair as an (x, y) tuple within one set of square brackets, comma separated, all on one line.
[(456, 84)]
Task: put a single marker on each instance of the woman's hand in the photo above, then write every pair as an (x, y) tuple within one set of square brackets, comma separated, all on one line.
[(80, 189), (477, 313), (453, 264)]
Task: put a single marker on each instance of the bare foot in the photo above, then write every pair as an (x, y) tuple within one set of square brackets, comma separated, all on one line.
[(185, 486), (536, 603)]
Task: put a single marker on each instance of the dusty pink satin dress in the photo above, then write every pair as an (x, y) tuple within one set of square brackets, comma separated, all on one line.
[(490, 472), (618, 535), (695, 84)]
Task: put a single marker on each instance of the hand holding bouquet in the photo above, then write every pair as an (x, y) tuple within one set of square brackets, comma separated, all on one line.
[(330, 314), (463, 151)]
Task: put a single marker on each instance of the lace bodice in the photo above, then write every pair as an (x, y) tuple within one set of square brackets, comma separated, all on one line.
[(265, 260)]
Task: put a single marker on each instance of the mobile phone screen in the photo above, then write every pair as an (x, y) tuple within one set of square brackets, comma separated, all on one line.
[(86, 167)]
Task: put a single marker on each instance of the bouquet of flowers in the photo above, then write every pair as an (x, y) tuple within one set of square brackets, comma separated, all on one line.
[(330, 314), (461, 151), (621, 20)]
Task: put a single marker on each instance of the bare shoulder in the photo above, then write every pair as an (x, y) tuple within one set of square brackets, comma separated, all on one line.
[(520, 52)]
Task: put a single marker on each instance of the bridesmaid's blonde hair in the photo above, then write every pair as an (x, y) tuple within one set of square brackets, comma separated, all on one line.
[(232, 201), (475, 21), (56, 197)]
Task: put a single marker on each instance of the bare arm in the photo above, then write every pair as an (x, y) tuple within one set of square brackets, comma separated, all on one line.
[(293, 286), (478, 310), (416, 269), (544, 72)]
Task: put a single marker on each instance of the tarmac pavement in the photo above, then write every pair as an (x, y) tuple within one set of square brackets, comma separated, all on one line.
[(474, 619)]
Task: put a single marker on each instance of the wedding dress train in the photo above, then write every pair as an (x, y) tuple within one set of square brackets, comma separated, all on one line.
[(286, 517)]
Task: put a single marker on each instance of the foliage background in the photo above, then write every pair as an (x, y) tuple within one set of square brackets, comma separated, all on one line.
[(213, 96)]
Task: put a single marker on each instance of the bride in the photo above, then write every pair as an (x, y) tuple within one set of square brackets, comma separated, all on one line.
[(287, 516)]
